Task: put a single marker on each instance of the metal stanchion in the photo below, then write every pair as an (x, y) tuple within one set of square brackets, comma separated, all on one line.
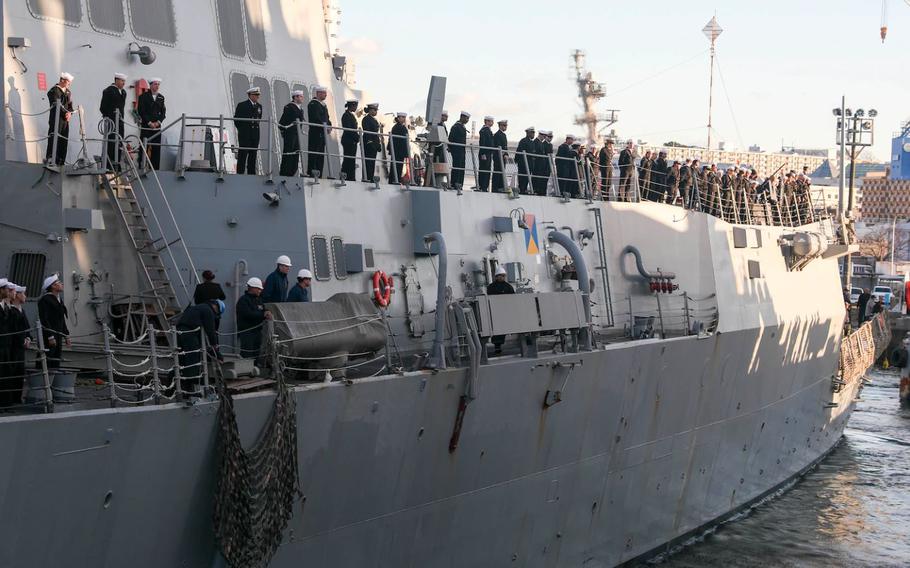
[(686, 308), (221, 171), (203, 362), (394, 168), (153, 353), (42, 358), (178, 388), (109, 355), (269, 149), (54, 140), (363, 158), (502, 169)]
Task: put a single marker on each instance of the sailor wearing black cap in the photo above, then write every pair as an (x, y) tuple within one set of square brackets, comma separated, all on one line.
[(501, 142), (291, 115), (458, 137), (485, 154), (372, 144), (524, 157), (399, 147), (248, 131), (152, 113), (349, 139), (113, 102), (318, 116)]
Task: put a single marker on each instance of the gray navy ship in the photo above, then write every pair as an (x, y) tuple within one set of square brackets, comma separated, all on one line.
[(663, 367)]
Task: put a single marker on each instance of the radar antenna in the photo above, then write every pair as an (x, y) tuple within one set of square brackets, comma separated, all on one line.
[(590, 91)]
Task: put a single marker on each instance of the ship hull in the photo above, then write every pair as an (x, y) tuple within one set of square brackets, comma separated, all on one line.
[(651, 441)]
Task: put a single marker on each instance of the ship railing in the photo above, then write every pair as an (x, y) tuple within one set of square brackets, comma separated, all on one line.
[(477, 167), (660, 316)]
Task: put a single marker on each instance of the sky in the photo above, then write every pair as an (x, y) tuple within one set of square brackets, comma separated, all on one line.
[(782, 66)]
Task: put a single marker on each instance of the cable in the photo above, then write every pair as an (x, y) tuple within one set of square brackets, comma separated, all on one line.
[(723, 83), (659, 73)]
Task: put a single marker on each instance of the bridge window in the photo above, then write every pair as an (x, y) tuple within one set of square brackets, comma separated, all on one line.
[(241, 23), (230, 27), (255, 30), (153, 20), (282, 94), (341, 269), (265, 97), (239, 84), (66, 11), (107, 16)]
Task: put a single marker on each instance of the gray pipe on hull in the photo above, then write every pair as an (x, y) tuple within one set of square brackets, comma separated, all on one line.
[(584, 283), (437, 358), (641, 267)]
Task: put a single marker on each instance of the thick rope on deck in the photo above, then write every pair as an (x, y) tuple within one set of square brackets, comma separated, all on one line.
[(860, 349), (256, 488)]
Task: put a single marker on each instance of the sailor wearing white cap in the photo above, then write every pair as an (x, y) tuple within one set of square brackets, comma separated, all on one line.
[(525, 156), (152, 112), (465, 114), (372, 144), (52, 314), (301, 291), (276, 283), (349, 139), (318, 115), (113, 103), (6, 323), (626, 169), (439, 151), (541, 148), (290, 137), (485, 154), (499, 157), (14, 338), (399, 147), (250, 316), (566, 169), (60, 99), (248, 131)]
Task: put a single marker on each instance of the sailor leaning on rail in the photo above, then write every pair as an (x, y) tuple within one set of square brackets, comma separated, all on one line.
[(193, 323)]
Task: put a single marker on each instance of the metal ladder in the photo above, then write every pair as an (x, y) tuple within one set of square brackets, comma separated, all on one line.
[(152, 243), (603, 268)]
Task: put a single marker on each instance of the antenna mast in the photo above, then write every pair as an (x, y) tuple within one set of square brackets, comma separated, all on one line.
[(711, 30), (590, 91)]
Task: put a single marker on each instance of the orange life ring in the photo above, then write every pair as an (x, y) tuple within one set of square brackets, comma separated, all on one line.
[(382, 297)]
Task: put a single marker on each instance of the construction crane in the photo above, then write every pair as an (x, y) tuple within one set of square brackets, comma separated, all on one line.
[(883, 31)]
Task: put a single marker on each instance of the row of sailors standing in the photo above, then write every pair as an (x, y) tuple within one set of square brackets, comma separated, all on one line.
[(16, 333), (151, 109)]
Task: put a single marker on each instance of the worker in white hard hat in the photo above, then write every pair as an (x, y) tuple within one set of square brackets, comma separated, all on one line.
[(499, 286), (250, 316), (276, 283), (301, 292)]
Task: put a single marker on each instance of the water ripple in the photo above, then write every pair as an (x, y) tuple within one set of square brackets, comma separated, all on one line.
[(852, 510)]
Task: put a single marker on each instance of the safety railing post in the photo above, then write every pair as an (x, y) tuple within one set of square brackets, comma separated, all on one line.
[(474, 166), (394, 169), (326, 157), (529, 174), (686, 309), (502, 169), (660, 316), (175, 349), (54, 139), (269, 150), (363, 157), (153, 354), (117, 138), (631, 320), (204, 362), (553, 175), (221, 138), (109, 361), (274, 359), (180, 145), (42, 358), (301, 163)]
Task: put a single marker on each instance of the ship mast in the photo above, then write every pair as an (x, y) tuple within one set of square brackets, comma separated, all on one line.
[(712, 31), (590, 91)]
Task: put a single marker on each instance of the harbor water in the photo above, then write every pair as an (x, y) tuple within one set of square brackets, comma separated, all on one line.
[(852, 510)]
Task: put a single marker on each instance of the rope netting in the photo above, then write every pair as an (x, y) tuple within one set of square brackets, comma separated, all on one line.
[(860, 349)]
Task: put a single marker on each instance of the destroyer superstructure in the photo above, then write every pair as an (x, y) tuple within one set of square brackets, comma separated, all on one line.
[(666, 374)]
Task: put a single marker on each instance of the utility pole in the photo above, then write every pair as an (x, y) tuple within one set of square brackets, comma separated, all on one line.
[(712, 31)]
